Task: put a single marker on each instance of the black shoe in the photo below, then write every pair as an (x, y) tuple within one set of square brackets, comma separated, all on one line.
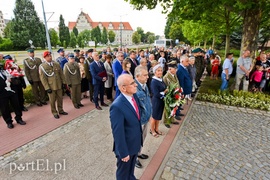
[(181, 114), (44, 103), (39, 104), (24, 109), (177, 118), (167, 126), (81, 105), (98, 108), (56, 116), (77, 107), (143, 156), (175, 122), (103, 104), (181, 108), (21, 122), (10, 126), (63, 113), (138, 164)]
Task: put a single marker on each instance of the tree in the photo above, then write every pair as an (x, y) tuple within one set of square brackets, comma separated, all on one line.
[(151, 39), (53, 37), (111, 36), (72, 42), (7, 30), (75, 31), (104, 36), (83, 38), (64, 35), (141, 32), (26, 26), (136, 37), (96, 35)]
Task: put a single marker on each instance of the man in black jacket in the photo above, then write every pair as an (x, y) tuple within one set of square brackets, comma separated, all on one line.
[(7, 95)]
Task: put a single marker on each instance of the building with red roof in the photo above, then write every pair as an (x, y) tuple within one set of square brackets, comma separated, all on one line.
[(85, 22)]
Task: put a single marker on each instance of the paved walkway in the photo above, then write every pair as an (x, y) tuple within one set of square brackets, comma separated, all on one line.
[(220, 142)]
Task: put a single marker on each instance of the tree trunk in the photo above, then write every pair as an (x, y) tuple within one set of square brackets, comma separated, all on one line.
[(213, 41), (251, 24), (227, 46), (205, 42)]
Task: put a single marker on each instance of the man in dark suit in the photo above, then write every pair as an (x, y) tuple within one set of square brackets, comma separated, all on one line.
[(126, 127), (133, 61), (183, 75), (99, 77), (117, 70), (7, 95)]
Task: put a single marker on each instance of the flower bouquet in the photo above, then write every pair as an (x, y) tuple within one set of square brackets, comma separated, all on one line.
[(173, 99)]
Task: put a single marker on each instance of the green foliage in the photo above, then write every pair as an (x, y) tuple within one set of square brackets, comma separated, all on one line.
[(210, 91), (53, 37), (26, 26), (75, 31), (28, 95), (111, 36), (141, 33), (6, 44), (83, 38), (7, 30), (104, 36), (96, 35), (72, 42), (136, 37), (63, 32)]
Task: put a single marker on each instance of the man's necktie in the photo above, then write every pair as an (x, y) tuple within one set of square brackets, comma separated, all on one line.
[(134, 61), (136, 107)]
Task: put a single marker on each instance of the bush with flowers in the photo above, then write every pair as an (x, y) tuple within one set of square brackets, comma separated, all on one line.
[(173, 99)]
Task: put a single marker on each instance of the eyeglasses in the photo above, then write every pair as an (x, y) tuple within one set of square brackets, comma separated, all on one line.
[(130, 84), (121, 55)]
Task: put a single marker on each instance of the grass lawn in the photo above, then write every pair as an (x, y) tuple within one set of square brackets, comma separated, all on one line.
[(212, 84)]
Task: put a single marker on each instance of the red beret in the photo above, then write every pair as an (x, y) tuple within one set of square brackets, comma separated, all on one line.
[(46, 53)]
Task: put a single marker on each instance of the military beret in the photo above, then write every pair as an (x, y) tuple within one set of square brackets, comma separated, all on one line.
[(172, 64), (81, 57), (7, 57), (61, 50), (76, 50), (31, 50), (71, 55), (90, 50), (46, 53), (197, 50)]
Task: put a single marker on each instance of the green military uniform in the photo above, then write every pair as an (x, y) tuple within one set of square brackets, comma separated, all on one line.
[(89, 77), (168, 79), (52, 77), (30, 66), (73, 79)]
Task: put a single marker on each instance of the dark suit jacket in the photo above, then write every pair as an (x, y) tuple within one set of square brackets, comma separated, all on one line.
[(133, 65), (3, 92), (184, 80), (94, 70), (126, 128), (117, 70)]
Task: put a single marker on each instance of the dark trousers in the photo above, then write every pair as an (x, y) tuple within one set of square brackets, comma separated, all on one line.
[(91, 91), (109, 92), (19, 92), (125, 170), (98, 89), (5, 109)]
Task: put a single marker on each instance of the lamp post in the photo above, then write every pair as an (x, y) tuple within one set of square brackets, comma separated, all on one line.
[(46, 28), (121, 25)]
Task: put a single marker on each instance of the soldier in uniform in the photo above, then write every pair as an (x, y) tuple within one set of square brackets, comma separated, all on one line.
[(169, 78), (52, 78), (61, 59), (73, 79), (77, 55), (88, 61), (199, 64), (30, 66)]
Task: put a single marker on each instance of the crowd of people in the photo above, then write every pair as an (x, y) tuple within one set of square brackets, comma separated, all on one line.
[(140, 79)]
